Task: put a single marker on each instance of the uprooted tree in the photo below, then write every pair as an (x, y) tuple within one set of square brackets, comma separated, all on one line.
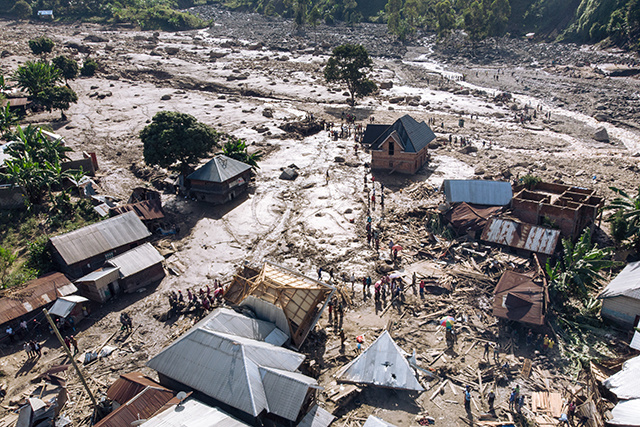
[(177, 141), (351, 65)]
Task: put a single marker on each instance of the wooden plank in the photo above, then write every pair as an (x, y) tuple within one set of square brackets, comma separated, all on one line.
[(453, 389), (526, 368), (480, 384), (435, 393)]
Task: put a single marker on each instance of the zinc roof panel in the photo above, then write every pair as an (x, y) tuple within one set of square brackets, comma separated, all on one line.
[(193, 413), (285, 391), (136, 260), (626, 283), (476, 191)]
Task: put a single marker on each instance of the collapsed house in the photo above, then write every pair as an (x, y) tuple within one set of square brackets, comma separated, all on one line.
[(220, 180), (382, 364), (42, 406), (22, 301), (236, 368), (402, 147), (521, 298), (624, 385), (84, 250), (127, 272), (621, 297), (467, 218), (570, 209), (290, 300), (523, 238)]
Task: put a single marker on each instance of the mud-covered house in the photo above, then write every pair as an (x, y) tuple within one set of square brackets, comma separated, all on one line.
[(221, 180)]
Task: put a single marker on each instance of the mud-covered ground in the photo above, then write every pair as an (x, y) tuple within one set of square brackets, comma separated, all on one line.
[(247, 68)]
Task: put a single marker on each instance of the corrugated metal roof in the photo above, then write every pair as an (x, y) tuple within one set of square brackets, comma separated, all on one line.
[(626, 413), (98, 274), (316, 417), (480, 192), (34, 294), (225, 367), (146, 210), (99, 238), (229, 322), (626, 283), (383, 364), (193, 413), (522, 236), (128, 386), (624, 384), (377, 422), (136, 260), (142, 406), (517, 297), (63, 305), (414, 136), (219, 169), (285, 391)]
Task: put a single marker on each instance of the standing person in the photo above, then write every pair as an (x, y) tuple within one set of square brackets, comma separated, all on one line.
[(467, 398), (27, 349), (10, 333), (36, 348), (545, 343), (319, 273), (486, 351), (340, 312), (74, 343), (422, 284), (496, 352), (491, 399), (24, 329), (377, 244), (327, 176), (330, 308), (67, 342), (512, 400)]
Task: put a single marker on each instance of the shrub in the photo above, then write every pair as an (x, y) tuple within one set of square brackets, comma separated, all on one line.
[(39, 256), (21, 10), (41, 45), (89, 67)]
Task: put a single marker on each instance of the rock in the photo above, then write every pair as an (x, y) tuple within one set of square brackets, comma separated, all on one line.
[(79, 47), (385, 85), (282, 58), (214, 54), (166, 97), (434, 145), (348, 211), (171, 50), (92, 38), (601, 135), (346, 94), (468, 149), (94, 87), (5, 53), (339, 159), (414, 103), (479, 171), (289, 174), (267, 112), (602, 117), (580, 173)]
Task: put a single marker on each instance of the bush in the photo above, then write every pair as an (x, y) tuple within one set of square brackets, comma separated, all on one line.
[(67, 66), (530, 181), (89, 68), (39, 256), (41, 45), (21, 10)]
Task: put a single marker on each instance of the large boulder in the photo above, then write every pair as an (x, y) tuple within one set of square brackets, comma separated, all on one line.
[(601, 135), (289, 174)]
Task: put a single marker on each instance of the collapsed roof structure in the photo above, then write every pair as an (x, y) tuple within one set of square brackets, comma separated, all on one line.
[(624, 385), (290, 300), (520, 236), (382, 364), (521, 297)]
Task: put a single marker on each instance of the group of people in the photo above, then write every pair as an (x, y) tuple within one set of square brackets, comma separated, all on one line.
[(72, 344), (125, 321), (200, 302), (335, 307), (32, 348)]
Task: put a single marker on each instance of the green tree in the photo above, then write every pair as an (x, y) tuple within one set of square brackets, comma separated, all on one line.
[(351, 64), (41, 46), (446, 18), (474, 22), (577, 273), (633, 23), (236, 148), (89, 68), (7, 120), (314, 16), (625, 221), (300, 14), (393, 10), (67, 66), (7, 259), (21, 10), (176, 140), (31, 143), (36, 76), (58, 98)]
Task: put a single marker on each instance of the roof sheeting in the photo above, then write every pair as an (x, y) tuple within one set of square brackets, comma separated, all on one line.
[(219, 169), (142, 406), (316, 417), (626, 283), (99, 238), (463, 216), (413, 135), (626, 413), (286, 391), (624, 384), (373, 132), (225, 367), (128, 386), (146, 210), (377, 422), (229, 322), (480, 192), (64, 305), (521, 236), (193, 413), (136, 260), (519, 298), (33, 295), (382, 364), (113, 272)]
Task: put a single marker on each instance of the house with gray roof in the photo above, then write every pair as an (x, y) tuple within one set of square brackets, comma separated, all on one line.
[(621, 297), (402, 147), (220, 180), (82, 251)]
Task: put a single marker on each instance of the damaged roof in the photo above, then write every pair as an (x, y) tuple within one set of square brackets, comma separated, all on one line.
[(479, 192), (519, 235), (146, 210), (136, 260), (413, 136), (519, 298), (377, 422), (382, 364), (228, 321), (128, 386), (219, 169), (316, 417), (244, 373), (193, 413), (142, 406), (301, 298), (627, 283), (34, 294), (464, 217), (99, 238)]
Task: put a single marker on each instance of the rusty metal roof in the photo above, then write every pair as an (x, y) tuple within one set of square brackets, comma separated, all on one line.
[(32, 295), (521, 235), (142, 406), (128, 386), (518, 297), (146, 210), (101, 237)]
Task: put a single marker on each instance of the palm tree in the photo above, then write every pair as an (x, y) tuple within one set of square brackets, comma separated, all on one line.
[(7, 120), (625, 221), (36, 76), (237, 149), (30, 142)]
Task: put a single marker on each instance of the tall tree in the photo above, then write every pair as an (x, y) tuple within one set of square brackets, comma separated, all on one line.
[(67, 66), (58, 98), (41, 46), (236, 148), (176, 140), (351, 64), (446, 18)]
